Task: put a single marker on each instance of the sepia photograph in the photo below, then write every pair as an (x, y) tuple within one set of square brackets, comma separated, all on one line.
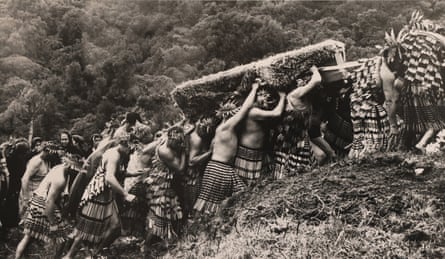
[(222, 129)]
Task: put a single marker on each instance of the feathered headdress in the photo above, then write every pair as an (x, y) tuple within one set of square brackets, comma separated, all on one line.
[(227, 110), (416, 50), (205, 127)]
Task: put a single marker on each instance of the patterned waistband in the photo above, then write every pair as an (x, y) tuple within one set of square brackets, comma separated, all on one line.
[(225, 164), (249, 153)]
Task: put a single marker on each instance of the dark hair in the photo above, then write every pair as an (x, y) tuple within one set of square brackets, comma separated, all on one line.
[(205, 127), (70, 138), (132, 117), (51, 155), (272, 97), (396, 65), (35, 140), (176, 139)]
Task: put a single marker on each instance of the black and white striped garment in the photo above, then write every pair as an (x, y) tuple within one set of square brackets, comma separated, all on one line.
[(219, 182)]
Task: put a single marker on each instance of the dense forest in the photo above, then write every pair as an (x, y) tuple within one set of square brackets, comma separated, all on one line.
[(76, 64)]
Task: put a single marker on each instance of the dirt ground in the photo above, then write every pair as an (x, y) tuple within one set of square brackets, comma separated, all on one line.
[(390, 205)]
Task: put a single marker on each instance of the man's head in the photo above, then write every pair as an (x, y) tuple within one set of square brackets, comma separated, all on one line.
[(266, 98), (143, 133), (205, 128), (176, 139), (132, 117), (51, 153), (65, 139), (36, 144)]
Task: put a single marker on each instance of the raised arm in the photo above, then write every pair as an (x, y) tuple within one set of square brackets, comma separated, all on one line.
[(260, 114), (235, 119), (300, 92)]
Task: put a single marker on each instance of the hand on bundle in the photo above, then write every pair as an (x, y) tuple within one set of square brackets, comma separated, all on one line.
[(130, 197), (316, 76), (256, 84)]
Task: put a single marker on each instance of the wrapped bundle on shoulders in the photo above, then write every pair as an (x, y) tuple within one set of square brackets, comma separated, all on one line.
[(203, 96)]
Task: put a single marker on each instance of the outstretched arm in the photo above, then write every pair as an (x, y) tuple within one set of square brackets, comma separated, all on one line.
[(260, 114), (300, 92), (200, 158), (235, 119)]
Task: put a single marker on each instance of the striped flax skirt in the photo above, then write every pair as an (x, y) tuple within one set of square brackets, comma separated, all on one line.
[(37, 225), (249, 164), (219, 182)]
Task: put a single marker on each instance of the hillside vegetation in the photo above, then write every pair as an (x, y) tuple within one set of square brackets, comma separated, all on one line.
[(88, 61)]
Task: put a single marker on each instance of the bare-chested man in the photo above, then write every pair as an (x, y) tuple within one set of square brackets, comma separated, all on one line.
[(292, 149), (254, 130), (100, 196), (44, 218), (199, 140), (134, 213), (219, 180), (36, 169)]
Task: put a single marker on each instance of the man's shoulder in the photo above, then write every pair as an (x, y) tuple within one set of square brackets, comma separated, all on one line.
[(164, 151), (111, 153), (56, 175), (35, 160)]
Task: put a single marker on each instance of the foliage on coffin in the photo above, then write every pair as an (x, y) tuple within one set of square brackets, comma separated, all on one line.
[(203, 96)]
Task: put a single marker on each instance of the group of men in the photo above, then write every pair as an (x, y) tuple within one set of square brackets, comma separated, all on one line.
[(189, 170), (132, 179)]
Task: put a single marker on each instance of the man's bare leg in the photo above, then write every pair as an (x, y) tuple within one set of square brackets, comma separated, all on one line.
[(112, 233), (22, 246), (424, 140), (73, 248)]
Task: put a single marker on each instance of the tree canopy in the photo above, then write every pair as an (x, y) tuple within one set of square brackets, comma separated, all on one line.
[(75, 64)]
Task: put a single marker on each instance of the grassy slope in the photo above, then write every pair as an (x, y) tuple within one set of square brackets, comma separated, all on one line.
[(377, 208), (373, 209)]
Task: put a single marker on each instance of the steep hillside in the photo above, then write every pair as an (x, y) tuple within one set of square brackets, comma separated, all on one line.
[(376, 208)]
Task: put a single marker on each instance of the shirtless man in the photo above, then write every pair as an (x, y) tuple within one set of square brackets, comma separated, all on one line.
[(219, 180), (36, 170), (44, 220), (139, 166), (100, 195), (254, 129), (292, 149), (198, 140)]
